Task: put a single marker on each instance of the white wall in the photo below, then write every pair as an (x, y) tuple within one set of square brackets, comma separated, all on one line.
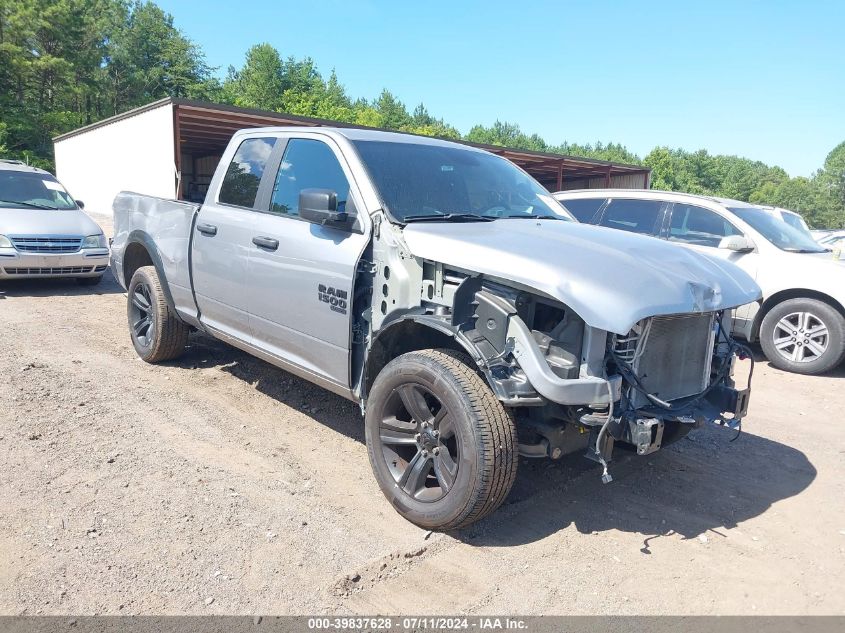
[(132, 154)]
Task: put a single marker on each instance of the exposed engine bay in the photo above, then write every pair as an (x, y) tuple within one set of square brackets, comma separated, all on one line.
[(574, 388)]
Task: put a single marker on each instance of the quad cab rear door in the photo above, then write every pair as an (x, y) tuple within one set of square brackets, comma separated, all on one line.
[(222, 240)]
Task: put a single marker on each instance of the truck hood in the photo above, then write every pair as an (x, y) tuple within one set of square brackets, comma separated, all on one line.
[(31, 222), (610, 278)]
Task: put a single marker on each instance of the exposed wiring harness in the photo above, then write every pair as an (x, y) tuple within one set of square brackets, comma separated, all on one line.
[(605, 476), (628, 373), (630, 376)]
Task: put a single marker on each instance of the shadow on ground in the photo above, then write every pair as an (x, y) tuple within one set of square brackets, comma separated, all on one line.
[(57, 287), (703, 484), (328, 409)]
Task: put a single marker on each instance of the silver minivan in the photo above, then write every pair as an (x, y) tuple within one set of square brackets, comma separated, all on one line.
[(43, 231)]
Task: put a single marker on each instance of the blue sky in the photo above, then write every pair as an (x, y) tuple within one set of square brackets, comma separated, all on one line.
[(765, 80)]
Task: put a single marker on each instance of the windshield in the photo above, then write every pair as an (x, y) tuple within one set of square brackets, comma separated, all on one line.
[(419, 181), (777, 231), (32, 191)]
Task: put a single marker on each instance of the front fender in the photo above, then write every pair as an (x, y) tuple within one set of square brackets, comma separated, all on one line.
[(412, 332)]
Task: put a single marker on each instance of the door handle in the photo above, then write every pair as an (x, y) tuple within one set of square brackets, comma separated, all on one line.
[(207, 229), (267, 243)]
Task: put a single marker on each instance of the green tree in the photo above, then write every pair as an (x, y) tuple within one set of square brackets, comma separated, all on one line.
[(832, 176), (150, 58), (394, 115), (259, 83)]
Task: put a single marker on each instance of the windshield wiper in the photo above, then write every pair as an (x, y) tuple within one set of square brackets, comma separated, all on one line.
[(449, 217), (30, 204), (534, 216), (806, 250)]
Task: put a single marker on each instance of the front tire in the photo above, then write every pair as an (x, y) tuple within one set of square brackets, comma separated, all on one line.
[(442, 447), (805, 336), (157, 333)]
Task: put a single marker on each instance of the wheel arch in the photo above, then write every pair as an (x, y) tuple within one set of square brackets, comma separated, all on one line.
[(141, 251), (785, 295), (410, 334)]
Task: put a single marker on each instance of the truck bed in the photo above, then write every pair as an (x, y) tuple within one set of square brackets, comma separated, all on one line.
[(165, 224)]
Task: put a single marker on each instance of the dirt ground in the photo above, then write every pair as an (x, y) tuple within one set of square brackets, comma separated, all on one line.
[(219, 484)]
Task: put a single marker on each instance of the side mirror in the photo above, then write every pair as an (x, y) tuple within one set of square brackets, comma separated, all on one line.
[(320, 206), (80, 204), (737, 243)]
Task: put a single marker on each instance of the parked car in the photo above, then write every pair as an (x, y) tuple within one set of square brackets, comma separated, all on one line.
[(832, 239), (801, 322), (43, 230), (792, 218), (445, 291), (820, 234)]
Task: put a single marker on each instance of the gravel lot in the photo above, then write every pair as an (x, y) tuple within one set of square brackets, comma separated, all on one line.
[(219, 484)]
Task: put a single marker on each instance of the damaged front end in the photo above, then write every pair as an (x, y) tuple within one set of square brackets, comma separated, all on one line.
[(677, 374), (574, 387)]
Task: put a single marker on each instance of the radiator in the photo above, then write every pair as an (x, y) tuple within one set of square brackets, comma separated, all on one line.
[(674, 356)]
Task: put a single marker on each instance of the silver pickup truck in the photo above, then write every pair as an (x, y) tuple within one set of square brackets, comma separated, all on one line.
[(445, 291)]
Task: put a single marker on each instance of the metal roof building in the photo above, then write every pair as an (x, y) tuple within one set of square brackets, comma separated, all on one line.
[(170, 148)]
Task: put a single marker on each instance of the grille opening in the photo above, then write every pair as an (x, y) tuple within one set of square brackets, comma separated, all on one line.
[(63, 270), (671, 355), (47, 244)]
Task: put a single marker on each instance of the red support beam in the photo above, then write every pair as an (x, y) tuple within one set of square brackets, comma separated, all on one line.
[(177, 151)]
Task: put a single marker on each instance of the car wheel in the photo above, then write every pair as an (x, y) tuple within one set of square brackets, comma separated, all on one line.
[(89, 281), (157, 333), (805, 336), (442, 447)]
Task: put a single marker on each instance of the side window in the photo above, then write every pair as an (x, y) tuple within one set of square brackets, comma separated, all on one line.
[(307, 164), (636, 216), (240, 184), (697, 225), (584, 209)]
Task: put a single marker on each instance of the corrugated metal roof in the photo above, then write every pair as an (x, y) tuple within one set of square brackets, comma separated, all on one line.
[(207, 127)]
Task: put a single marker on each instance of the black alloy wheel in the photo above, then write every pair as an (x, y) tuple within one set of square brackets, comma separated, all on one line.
[(418, 442)]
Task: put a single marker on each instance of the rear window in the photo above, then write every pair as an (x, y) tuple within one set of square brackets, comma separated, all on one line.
[(584, 209), (635, 216), (240, 184)]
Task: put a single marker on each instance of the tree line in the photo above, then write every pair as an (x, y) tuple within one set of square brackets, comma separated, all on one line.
[(68, 63)]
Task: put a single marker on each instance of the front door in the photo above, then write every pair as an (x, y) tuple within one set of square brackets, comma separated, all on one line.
[(300, 273)]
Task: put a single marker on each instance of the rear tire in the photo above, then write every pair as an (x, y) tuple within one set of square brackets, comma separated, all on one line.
[(442, 447), (157, 333), (805, 336)]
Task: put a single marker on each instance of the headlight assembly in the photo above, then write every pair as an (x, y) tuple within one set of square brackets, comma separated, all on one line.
[(94, 241), (5, 242)]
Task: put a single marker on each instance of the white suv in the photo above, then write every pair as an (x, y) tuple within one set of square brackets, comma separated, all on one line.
[(801, 322)]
